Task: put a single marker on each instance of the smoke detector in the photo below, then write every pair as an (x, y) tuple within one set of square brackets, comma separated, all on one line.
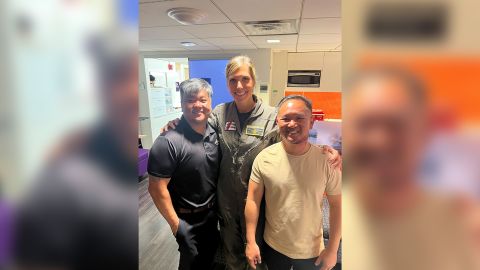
[(186, 16), (265, 28)]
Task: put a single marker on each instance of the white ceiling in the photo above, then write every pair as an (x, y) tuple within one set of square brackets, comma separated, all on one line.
[(319, 25)]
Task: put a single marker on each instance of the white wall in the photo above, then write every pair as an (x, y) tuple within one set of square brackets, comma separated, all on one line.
[(149, 124), (144, 108), (331, 80), (151, 127), (279, 74), (260, 57)]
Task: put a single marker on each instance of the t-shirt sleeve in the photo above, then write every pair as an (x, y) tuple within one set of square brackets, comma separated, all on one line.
[(334, 181), (163, 159), (256, 175)]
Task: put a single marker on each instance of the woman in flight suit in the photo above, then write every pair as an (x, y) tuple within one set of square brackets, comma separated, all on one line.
[(245, 127)]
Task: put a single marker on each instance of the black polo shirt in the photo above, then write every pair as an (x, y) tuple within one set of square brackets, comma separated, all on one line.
[(191, 160)]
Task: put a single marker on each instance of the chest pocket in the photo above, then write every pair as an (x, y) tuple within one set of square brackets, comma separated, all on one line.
[(262, 140), (211, 148), (260, 127)]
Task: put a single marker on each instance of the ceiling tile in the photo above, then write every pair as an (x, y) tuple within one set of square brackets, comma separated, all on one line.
[(155, 14), (321, 8), (279, 46), (321, 26), (254, 10), (316, 47), (163, 33), (213, 30), (146, 46), (203, 48), (160, 49), (237, 47), (148, 1), (177, 42), (285, 40), (320, 38), (229, 41)]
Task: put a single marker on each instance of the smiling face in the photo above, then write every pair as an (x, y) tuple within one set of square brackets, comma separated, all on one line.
[(294, 121), (241, 84), (197, 107)]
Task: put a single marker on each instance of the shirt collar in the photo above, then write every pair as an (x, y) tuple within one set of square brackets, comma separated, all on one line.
[(258, 110), (208, 131)]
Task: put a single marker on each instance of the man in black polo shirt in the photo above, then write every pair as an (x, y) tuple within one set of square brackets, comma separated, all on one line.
[(183, 170)]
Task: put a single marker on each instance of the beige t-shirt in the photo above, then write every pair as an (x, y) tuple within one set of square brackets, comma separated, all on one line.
[(294, 188), (429, 235)]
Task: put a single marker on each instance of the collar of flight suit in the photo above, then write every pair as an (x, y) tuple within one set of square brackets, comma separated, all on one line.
[(257, 111)]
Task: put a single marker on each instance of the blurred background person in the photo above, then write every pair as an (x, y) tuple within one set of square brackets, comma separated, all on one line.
[(68, 132), (400, 224), (417, 158), (80, 212), (6, 226)]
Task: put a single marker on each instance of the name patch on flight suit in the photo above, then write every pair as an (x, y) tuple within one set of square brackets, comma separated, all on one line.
[(230, 126), (254, 130)]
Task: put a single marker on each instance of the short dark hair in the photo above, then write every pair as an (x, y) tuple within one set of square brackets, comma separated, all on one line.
[(305, 100), (192, 86)]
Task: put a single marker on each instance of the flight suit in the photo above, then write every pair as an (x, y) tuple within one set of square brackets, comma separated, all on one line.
[(239, 149)]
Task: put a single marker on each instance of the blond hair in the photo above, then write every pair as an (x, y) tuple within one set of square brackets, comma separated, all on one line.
[(237, 62)]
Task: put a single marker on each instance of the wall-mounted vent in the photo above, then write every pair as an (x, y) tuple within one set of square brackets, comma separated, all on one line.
[(265, 28)]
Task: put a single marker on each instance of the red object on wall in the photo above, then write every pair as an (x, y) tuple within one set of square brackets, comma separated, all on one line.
[(170, 67), (318, 115)]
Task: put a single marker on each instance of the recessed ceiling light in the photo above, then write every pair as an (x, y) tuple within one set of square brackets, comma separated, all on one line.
[(188, 44), (273, 41)]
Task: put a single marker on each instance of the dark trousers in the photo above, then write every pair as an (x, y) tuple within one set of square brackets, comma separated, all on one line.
[(233, 231), (197, 239), (277, 261)]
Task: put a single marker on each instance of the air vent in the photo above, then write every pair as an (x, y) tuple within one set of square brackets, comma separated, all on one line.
[(265, 28)]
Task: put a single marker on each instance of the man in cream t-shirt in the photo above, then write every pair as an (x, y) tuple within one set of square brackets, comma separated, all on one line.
[(294, 176)]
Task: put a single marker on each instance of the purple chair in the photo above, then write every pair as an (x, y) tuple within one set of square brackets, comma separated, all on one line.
[(5, 233), (142, 162)]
